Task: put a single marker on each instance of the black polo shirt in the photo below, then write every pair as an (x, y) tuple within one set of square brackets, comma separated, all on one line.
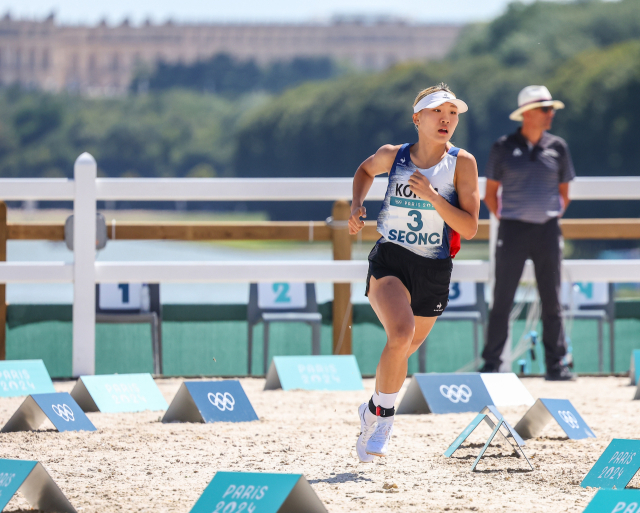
[(530, 176)]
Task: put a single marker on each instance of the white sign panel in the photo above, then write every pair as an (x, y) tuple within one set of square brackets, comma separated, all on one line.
[(462, 294), (585, 294), (282, 295), (120, 296), (506, 389)]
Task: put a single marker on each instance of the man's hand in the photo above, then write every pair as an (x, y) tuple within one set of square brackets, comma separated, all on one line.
[(491, 196), (355, 223), (421, 187)]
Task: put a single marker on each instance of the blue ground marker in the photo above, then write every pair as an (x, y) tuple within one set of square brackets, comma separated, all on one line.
[(464, 435), (634, 367), (496, 428), (494, 411), (210, 401), (337, 372), (615, 501), (616, 467), (34, 482), (445, 393), (562, 411), (258, 493), (60, 408), (24, 377), (116, 393)]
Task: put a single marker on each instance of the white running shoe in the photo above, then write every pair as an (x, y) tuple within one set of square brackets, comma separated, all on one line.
[(365, 432), (379, 441)]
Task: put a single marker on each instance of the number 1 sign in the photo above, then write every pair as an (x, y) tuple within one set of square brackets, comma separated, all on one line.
[(120, 296)]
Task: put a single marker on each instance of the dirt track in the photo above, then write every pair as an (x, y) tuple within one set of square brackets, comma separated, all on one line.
[(136, 463)]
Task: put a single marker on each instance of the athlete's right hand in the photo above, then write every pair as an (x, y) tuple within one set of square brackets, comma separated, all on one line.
[(355, 223)]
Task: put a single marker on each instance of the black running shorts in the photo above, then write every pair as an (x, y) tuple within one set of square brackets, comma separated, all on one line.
[(426, 279)]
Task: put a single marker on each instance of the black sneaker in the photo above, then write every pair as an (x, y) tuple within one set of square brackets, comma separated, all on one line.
[(487, 367), (560, 373)]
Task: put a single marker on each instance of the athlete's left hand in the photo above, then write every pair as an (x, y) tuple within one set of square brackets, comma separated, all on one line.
[(421, 187)]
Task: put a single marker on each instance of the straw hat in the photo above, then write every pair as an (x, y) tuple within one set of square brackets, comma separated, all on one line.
[(532, 97)]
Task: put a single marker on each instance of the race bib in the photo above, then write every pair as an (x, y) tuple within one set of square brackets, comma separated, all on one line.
[(413, 221)]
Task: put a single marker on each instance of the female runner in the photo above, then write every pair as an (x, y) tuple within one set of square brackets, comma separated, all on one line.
[(431, 198)]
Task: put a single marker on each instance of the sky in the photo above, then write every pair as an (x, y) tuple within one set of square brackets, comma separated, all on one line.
[(260, 11)]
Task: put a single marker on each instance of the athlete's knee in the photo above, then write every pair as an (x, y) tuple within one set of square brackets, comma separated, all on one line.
[(401, 336)]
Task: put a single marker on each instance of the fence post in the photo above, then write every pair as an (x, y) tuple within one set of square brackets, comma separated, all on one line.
[(84, 253), (342, 311), (3, 296)]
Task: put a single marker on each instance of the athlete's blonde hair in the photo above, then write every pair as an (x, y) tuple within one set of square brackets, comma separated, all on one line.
[(425, 92)]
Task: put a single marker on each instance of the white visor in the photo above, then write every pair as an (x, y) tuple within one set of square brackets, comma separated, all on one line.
[(436, 99)]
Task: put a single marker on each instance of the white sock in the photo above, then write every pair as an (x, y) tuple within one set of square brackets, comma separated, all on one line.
[(386, 400)]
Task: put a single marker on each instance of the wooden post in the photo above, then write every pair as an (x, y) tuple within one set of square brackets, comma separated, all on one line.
[(3, 302), (342, 311)]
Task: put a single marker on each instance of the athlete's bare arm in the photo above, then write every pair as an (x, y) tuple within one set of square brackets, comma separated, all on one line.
[(376, 164), (464, 220)]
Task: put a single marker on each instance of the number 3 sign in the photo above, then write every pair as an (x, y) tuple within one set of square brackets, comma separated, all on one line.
[(285, 296)]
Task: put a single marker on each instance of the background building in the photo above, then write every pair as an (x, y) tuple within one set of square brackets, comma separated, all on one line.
[(102, 59)]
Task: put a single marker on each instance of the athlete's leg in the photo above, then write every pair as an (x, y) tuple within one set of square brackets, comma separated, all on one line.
[(423, 328), (391, 302)]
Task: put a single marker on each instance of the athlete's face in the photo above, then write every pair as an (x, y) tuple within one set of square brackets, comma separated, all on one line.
[(437, 124)]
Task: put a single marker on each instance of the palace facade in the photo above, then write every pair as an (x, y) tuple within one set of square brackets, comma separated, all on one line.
[(102, 59)]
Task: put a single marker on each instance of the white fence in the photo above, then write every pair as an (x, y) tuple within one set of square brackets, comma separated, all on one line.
[(86, 189)]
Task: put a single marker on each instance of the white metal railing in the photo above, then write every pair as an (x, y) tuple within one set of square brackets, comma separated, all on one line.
[(85, 189)]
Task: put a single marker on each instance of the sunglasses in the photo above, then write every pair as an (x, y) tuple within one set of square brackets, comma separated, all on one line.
[(547, 109)]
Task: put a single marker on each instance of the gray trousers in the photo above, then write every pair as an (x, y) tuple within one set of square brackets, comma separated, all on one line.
[(518, 241)]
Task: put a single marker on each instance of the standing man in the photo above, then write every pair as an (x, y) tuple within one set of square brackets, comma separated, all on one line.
[(534, 169)]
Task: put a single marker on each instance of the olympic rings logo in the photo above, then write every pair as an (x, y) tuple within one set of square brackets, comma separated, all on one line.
[(222, 401), (63, 411), (569, 418), (455, 393)]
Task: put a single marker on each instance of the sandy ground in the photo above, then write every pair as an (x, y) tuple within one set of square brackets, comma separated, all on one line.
[(136, 463)]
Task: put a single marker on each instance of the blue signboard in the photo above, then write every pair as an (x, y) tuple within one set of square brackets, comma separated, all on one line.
[(635, 366), (568, 418), (34, 483), (314, 373), (114, 393), (63, 412), (616, 467), (445, 393), (210, 401), (60, 408), (615, 501), (257, 493), (24, 377), (12, 474)]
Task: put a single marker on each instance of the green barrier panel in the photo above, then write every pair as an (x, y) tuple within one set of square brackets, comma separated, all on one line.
[(193, 335)]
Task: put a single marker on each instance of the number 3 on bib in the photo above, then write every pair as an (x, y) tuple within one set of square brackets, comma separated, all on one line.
[(414, 222), (417, 217)]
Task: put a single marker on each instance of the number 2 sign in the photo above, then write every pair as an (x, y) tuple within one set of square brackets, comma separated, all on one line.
[(286, 296)]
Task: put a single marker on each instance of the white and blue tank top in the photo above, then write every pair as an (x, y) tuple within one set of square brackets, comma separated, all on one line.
[(414, 223)]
